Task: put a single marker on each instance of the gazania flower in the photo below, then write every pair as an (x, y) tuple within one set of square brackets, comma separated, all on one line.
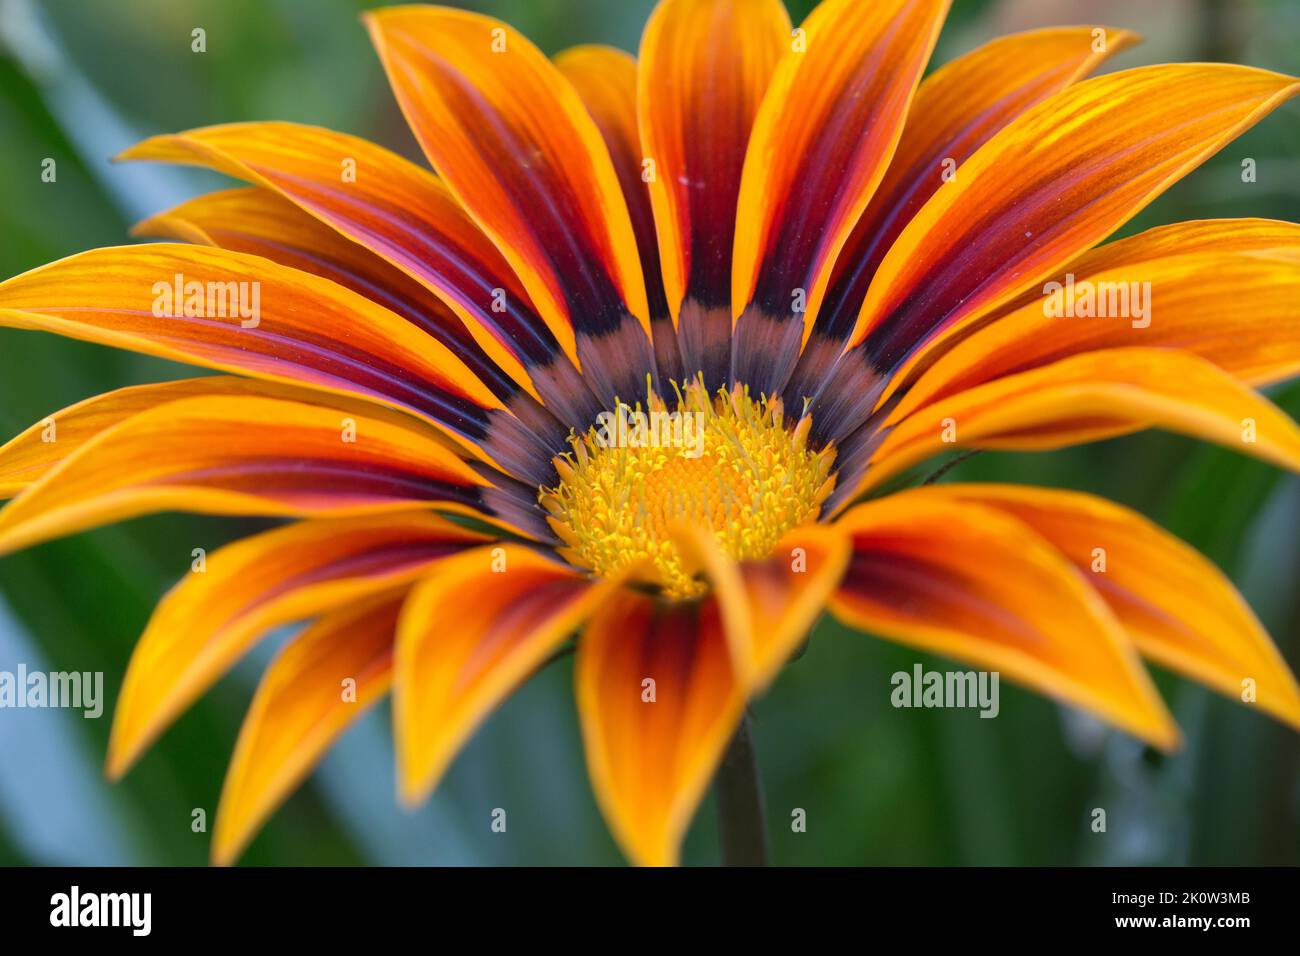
[(637, 364)]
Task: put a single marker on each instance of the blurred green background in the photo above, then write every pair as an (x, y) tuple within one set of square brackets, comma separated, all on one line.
[(81, 80)]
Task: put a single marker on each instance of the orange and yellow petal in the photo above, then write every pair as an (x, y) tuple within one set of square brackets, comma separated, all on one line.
[(1088, 397), (704, 68), (972, 583), (263, 223), (323, 681), (243, 313), (1179, 608), (661, 685), (956, 110), (32, 453), (386, 204), (244, 455), (1222, 289), (658, 698), (212, 617), (822, 139), (768, 606), (606, 78), (1055, 181), (516, 145), (470, 633)]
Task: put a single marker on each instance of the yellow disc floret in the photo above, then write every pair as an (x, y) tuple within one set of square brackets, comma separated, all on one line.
[(726, 462)]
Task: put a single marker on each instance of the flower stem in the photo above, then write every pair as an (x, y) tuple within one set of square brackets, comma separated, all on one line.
[(739, 791)]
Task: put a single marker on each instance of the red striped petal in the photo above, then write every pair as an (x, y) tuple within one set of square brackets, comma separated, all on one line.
[(658, 698), (606, 80), (516, 145), (821, 142), (705, 65), (1224, 290), (1085, 398), (1179, 609), (770, 605), (512, 608), (263, 223), (306, 330), (224, 454), (1054, 182), (211, 619), (300, 709), (974, 584), (956, 110), (34, 452), (404, 214)]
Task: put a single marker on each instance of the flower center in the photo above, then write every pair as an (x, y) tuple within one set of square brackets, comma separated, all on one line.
[(726, 462)]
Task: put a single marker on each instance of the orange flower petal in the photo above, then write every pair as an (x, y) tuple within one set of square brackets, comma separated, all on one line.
[(705, 65), (652, 748), (389, 205), (32, 453), (956, 110), (1225, 290), (1091, 396), (36, 451), (299, 710), (511, 609), (769, 606), (1055, 181), (605, 79), (210, 619), (226, 454), (263, 223), (1179, 608), (821, 142), (972, 583), (306, 330), (260, 222), (517, 147)]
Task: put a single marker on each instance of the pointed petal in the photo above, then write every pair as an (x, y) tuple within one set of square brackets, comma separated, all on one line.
[(299, 710), (32, 453), (956, 110), (306, 330), (705, 65), (821, 142), (260, 222), (769, 606), (1179, 609), (969, 582), (1054, 182), (1225, 290), (228, 454), (512, 608), (606, 79), (209, 620), (404, 214), (513, 141), (650, 761), (301, 329), (1092, 396)]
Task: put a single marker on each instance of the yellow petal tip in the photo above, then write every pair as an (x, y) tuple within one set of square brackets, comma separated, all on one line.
[(115, 767), (1120, 38), (1167, 737), (128, 154), (411, 794), (222, 856)]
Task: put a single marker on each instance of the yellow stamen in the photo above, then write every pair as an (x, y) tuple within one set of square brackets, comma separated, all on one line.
[(726, 462)]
